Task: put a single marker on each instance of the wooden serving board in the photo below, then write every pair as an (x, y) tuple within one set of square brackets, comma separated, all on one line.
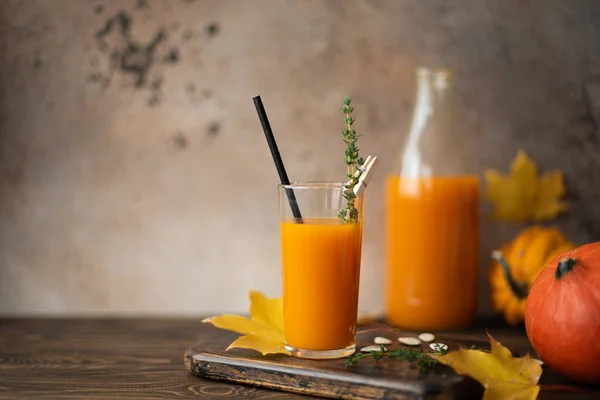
[(388, 379)]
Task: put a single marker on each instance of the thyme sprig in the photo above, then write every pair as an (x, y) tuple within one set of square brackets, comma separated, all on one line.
[(353, 162), (376, 354), (409, 354)]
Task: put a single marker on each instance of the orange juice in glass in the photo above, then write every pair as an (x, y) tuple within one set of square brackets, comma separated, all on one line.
[(321, 269)]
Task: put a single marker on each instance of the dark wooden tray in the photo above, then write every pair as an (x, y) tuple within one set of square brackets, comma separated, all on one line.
[(388, 379)]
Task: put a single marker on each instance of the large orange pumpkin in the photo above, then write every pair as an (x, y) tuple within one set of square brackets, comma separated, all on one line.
[(562, 314)]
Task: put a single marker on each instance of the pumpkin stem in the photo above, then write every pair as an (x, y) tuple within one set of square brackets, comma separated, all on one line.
[(519, 289), (565, 265)]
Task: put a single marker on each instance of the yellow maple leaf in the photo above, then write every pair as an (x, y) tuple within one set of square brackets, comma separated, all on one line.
[(524, 195), (263, 331), (503, 376)]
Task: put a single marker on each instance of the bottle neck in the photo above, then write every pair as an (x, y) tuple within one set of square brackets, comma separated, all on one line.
[(434, 91), (431, 121)]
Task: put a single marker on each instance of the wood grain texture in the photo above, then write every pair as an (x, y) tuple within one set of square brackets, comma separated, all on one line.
[(386, 379), (143, 359), (107, 359)]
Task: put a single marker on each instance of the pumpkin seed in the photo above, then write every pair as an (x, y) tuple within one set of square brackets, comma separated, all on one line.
[(409, 341), (426, 337), (438, 347), (371, 348), (382, 340), (538, 361)]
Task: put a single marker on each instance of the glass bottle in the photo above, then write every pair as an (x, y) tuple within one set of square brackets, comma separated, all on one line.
[(432, 213)]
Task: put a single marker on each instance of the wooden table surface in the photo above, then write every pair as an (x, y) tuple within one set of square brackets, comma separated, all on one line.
[(143, 359)]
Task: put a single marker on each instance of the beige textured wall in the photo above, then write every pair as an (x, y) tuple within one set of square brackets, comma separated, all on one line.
[(134, 176)]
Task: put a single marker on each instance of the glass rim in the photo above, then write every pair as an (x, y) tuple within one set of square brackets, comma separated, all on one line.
[(313, 185)]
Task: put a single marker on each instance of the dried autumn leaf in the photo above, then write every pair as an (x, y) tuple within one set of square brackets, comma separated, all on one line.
[(524, 195), (503, 376), (263, 331)]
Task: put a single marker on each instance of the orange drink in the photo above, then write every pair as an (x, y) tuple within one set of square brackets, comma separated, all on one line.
[(321, 266), (431, 251), (321, 270)]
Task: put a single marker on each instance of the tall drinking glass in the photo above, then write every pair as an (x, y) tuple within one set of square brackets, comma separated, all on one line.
[(321, 270)]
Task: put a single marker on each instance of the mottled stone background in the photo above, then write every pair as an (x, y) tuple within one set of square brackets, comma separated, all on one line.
[(135, 178)]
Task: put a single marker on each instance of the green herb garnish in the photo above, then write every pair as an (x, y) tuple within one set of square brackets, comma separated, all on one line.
[(409, 354), (353, 358), (354, 163)]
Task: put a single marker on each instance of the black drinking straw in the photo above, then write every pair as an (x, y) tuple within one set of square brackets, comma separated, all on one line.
[(264, 120)]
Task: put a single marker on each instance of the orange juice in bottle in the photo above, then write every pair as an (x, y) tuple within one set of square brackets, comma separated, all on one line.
[(432, 218)]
